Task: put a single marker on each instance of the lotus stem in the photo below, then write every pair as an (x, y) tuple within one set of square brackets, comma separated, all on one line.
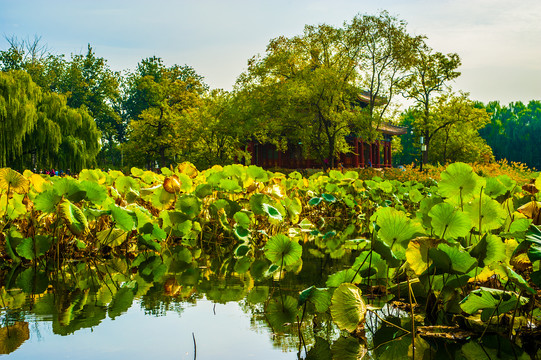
[(412, 317)]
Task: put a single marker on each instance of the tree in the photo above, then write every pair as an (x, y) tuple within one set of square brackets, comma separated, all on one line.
[(216, 136), (159, 97), (453, 130), (307, 87), (513, 131), (40, 130), (431, 71), (19, 97)]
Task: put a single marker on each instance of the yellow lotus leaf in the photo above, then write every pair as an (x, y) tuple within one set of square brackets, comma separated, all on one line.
[(12, 180), (38, 182), (188, 168), (532, 210), (483, 275), (172, 184)]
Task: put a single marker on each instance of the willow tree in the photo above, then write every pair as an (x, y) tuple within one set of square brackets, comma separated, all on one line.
[(19, 97)]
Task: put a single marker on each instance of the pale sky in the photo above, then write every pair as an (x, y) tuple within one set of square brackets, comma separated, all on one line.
[(498, 41)]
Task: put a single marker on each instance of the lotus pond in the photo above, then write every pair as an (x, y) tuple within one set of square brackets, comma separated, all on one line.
[(238, 262)]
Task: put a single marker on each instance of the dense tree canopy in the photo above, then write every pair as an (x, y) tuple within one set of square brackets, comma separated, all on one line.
[(514, 131), (307, 86), (306, 92)]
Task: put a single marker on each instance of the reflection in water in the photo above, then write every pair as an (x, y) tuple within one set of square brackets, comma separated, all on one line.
[(151, 305)]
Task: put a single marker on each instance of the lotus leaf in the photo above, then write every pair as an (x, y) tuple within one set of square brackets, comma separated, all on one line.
[(348, 348), (112, 237), (73, 217), (486, 212), (123, 218), (320, 297), (451, 260), (395, 227), (11, 180), (492, 302), (458, 181), (449, 222), (343, 276), (282, 250), (33, 248), (282, 313), (490, 249), (189, 205), (348, 308)]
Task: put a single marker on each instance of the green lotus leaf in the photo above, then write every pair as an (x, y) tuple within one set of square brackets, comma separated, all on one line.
[(147, 240), (449, 222), (281, 313), (241, 232), (136, 172), (486, 212), (256, 203), (230, 185), (347, 307), (343, 276), (320, 297), (536, 278), (489, 250), (515, 278), (293, 207), (272, 212), (161, 199), (203, 190), (415, 196), (123, 218), (281, 250), (189, 205), (242, 219), (69, 188), (538, 182), (395, 227), (112, 237), (122, 300), (315, 201), (73, 217), (348, 348), (451, 260), (125, 184), (95, 193), (328, 198), (458, 180), (257, 173), (241, 250), (491, 302), (33, 248), (496, 186), (242, 265)]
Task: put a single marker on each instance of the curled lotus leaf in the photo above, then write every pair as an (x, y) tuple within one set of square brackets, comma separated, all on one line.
[(73, 217), (13, 181), (172, 184), (188, 169)]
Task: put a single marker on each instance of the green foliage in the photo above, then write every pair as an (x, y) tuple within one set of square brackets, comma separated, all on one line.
[(348, 309)]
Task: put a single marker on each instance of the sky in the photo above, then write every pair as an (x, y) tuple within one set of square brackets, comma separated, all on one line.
[(498, 41)]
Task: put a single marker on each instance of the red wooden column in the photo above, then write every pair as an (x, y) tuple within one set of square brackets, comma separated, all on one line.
[(385, 159), (371, 155), (362, 153), (378, 162), (356, 161), (390, 154)]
